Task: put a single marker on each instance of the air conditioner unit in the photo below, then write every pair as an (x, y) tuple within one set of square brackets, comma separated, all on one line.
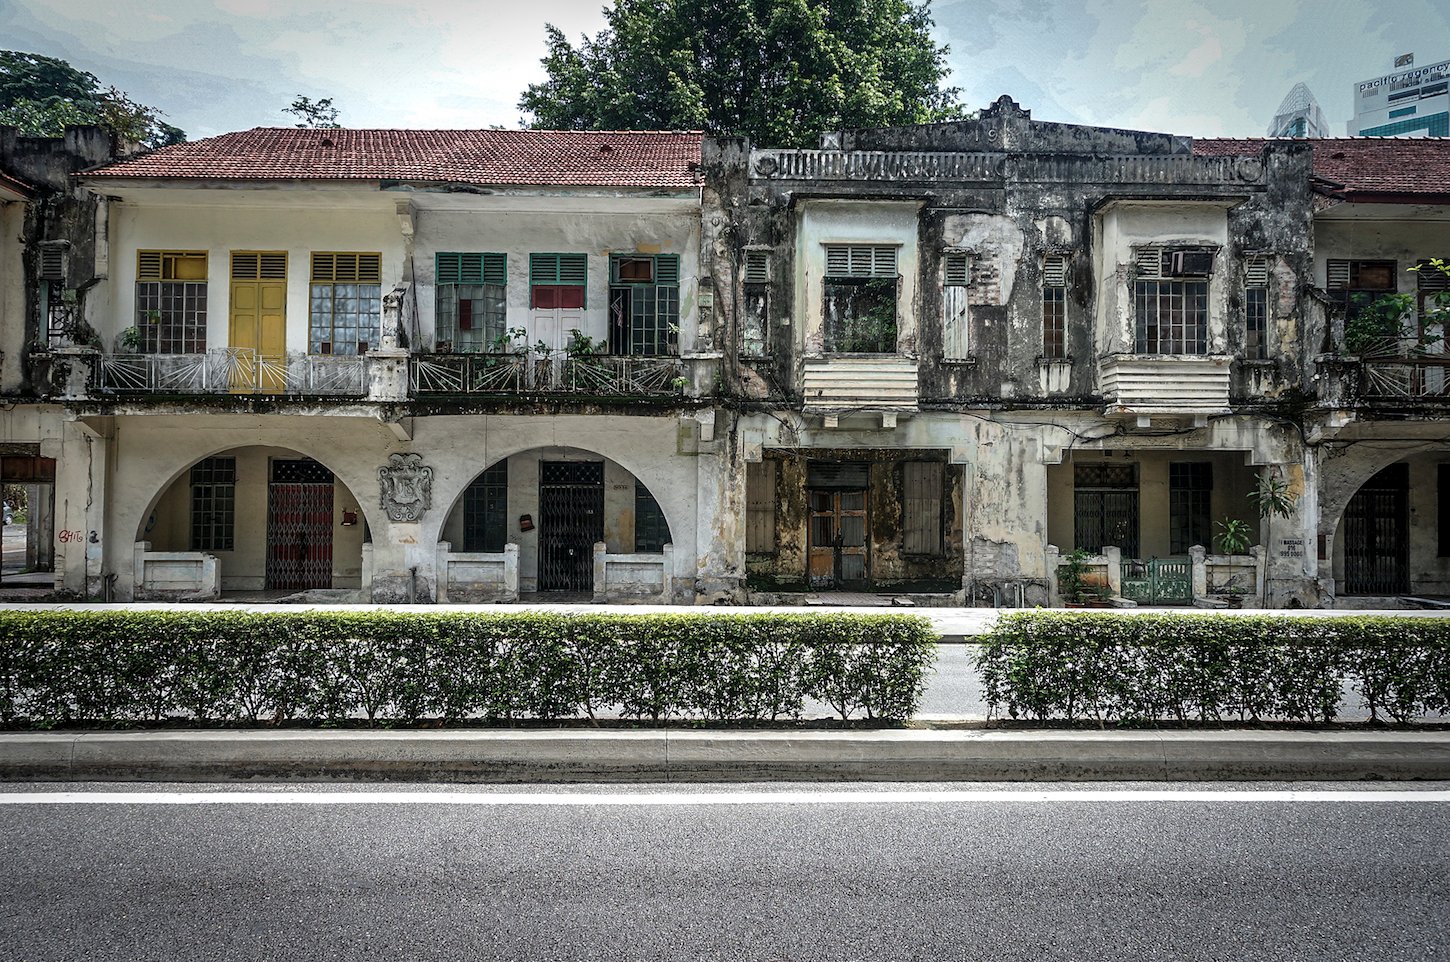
[(1191, 263)]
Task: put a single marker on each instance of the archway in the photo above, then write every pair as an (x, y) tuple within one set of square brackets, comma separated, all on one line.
[(555, 504), (1390, 532), (276, 521)]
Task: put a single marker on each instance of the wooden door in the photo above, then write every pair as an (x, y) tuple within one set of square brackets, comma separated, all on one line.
[(839, 553), (1376, 535), (571, 521), (556, 310), (299, 526), (258, 328)]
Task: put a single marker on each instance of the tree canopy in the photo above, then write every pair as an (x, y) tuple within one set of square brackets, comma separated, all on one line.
[(313, 113), (776, 71), (41, 95)]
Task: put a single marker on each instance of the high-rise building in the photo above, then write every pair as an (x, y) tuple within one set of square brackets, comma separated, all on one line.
[(1299, 116), (1412, 101)]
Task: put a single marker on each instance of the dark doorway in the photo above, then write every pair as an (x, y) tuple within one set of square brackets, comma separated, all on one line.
[(299, 526), (571, 521), (839, 554), (1376, 535), (1105, 507)]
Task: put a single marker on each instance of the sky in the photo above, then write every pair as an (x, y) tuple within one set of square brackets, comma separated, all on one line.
[(1201, 67)]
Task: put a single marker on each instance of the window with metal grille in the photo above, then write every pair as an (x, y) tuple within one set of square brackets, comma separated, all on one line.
[(860, 294), (1190, 490), (921, 512), (171, 301), (471, 305), (651, 530), (1354, 285), (347, 302), (956, 278), (557, 281), (1105, 507), (1170, 300), (755, 325), (213, 504), (644, 304), (1256, 307), (1054, 306), (485, 510), (760, 499)]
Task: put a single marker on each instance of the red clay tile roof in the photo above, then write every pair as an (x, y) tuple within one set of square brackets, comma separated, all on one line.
[(15, 185), (627, 158), (1368, 167)]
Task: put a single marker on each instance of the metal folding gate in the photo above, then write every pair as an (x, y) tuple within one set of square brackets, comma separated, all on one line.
[(1376, 535), (299, 526), (571, 520), (1158, 581)]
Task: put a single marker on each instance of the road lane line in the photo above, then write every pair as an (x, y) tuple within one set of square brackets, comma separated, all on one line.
[(584, 799)]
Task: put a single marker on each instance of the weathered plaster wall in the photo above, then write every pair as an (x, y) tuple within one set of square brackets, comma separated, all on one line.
[(12, 297), (168, 525), (507, 225)]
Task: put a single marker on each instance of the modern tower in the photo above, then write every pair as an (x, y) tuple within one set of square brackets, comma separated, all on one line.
[(1412, 101), (1299, 116)]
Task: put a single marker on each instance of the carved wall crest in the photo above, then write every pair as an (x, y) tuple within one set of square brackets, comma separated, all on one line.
[(407, 487)]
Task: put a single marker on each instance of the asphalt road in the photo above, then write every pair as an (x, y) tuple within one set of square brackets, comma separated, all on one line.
[(1051, 872)]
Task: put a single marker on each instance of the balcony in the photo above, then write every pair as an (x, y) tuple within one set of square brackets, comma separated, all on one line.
[(1165, 384), (435, 375), (870, 383), (231, 371)]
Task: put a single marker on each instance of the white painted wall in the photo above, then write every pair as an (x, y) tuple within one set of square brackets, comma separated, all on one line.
[(878, 222), (597, 233), (1124, 225)]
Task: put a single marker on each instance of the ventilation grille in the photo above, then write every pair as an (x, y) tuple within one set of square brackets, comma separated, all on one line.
[(1054, 270), (52, 262), (337, 268), (1428, 280), (259, 265), (1337, 275), (667, 269), (859, 260), (956, 269), (455, 268), (1256, 271), (1174, 262), (170, 266), (558, 268), (757, 267)]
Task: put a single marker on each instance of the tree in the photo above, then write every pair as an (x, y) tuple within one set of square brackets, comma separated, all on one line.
[(776, 71), (1273, 499), (41, 95), (313, 113)]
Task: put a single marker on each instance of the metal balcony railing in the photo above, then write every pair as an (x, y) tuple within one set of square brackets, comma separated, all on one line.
[(1423, 377), (232, 371), (595, 375)]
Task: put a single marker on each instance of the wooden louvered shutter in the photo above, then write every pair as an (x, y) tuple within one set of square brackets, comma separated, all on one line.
[(956, 269), (1256, 271), (921, 510), (1336, 276), (148, 265), (760, 499), (757, 267), (1054, 270), (1150, 262), (667, 269)]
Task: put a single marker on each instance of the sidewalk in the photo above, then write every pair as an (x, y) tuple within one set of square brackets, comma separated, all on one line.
[(667, 755)]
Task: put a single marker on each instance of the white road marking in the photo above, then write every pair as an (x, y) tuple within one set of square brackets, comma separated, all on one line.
[(584, 799)]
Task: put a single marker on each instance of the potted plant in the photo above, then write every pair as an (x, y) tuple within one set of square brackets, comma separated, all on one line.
[(1070, 577)]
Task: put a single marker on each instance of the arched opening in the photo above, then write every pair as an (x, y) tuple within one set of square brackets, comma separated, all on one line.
[(554, 505), (276, 522)]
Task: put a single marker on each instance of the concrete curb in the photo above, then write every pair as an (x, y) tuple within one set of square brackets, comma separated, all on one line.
[(721, 756)]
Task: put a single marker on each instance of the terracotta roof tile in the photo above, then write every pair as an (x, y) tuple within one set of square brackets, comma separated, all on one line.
[(1378, 166), (625, 158), (15, 185)]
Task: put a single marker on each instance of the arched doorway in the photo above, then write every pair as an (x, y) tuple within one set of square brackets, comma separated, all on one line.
[(276, 521), (1377, 536), (555, 505)]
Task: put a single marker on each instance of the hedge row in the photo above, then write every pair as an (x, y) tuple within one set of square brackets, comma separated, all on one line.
[(59, 667), (1041, 665)]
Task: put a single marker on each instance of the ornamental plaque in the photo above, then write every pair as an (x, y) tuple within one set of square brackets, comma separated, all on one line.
[(407, 487)]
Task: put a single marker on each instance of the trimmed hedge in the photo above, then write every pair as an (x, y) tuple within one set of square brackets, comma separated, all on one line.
[(1042, 665), (65, 667)]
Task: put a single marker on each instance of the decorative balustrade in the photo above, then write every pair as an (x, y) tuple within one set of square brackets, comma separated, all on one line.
[(597, 375), (1415, 377), (231, 371)]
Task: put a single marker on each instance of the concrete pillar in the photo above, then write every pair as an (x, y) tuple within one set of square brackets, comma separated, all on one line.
[(82, 484), (1198, 556), (718, 570), (40, 527), (601, 573), (1113, 558), (510, 571)]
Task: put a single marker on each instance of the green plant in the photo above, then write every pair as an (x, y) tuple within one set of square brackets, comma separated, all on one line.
[(582, 345), (130, 339), (680, 383), (64, 667), (1114, 668), (1070, 575), (1273, 497), (1234, 536)]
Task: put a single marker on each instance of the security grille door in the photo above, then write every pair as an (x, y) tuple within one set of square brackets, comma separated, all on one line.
[(571, 521), (839, 554), (299, 526), (1376, 535), (1105, 507)]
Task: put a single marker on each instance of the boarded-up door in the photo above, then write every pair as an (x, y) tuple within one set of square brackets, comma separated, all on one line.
[(299, 526), (571, 521), (1376, 535), (258, 328)]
